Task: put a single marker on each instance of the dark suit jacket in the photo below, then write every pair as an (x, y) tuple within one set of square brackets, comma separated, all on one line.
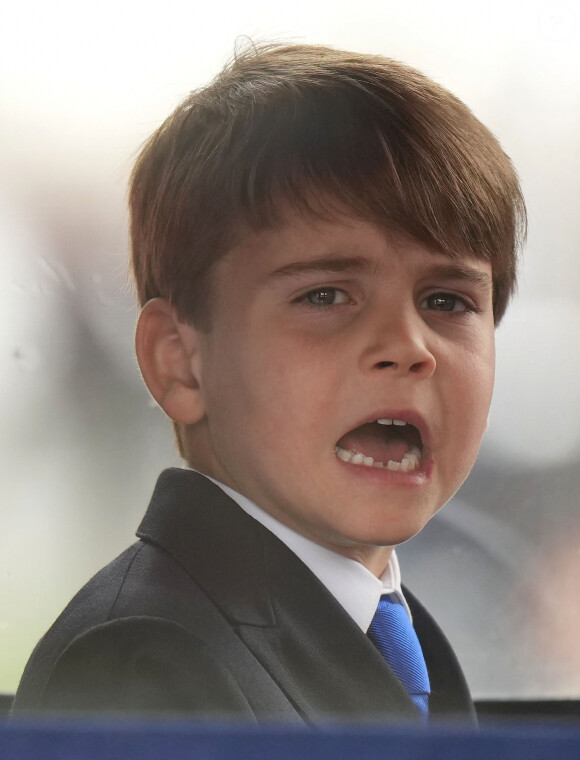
[(211, 614)]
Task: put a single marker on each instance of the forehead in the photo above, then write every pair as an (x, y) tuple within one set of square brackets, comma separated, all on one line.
[(339, 242)]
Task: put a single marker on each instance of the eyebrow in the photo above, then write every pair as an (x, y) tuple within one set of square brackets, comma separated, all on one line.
[(458, 271), (327, 264), (333, 263)]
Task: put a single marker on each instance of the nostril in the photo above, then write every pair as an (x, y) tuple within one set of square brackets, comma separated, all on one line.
[(380, 365), (419, 366)]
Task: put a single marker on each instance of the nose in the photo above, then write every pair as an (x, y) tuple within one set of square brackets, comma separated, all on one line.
[(400, 345)]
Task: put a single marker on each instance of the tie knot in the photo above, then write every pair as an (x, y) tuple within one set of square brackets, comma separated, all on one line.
[(392, 632)]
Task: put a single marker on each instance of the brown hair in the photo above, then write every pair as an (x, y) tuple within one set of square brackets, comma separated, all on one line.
[(317, 128)]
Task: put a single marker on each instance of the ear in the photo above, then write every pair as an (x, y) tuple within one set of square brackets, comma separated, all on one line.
[(168, 355)]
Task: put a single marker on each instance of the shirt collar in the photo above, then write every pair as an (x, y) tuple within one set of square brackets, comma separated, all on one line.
[(352, 585)]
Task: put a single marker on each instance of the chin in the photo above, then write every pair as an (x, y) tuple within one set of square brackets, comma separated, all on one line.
[(391, 534)]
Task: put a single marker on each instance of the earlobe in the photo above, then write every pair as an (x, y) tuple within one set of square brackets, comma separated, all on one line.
[(167, 354)]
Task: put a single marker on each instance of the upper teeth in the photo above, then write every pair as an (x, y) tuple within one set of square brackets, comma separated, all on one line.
[(386, 421)]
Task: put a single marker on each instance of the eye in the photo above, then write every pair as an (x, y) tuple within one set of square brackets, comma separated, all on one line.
[(446, 302), (325, 297)]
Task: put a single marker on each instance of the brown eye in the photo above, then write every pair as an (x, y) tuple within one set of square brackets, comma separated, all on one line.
[(326, 297), (444, 302)]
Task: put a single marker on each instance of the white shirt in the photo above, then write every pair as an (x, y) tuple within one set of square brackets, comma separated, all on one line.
[(351, 584)]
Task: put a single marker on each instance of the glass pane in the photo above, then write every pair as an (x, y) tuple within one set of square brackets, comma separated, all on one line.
[(81, 443)]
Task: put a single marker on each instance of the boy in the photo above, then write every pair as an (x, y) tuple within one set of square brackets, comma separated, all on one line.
[(322, 244)]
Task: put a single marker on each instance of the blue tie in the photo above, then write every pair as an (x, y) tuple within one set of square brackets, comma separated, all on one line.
[(392, 632)]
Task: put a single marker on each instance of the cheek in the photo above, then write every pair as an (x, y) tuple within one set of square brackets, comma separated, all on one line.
[(475, 396), (253, 385), (487, 375)]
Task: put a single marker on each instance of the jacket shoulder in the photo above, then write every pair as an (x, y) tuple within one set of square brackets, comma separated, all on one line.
[(89, 610), (140, 664)]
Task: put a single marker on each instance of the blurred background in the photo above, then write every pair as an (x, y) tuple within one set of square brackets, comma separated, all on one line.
[(81, 445)]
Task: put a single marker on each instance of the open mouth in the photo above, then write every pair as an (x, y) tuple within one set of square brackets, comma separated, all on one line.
[(384, 444)]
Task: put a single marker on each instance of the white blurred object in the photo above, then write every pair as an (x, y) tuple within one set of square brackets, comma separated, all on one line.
[(28, 309), (535, 414)]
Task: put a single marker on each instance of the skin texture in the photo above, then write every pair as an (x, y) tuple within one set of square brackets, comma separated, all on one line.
[(300, 353)]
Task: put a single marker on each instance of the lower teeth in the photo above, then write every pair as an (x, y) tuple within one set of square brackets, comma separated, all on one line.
[(409, 463)]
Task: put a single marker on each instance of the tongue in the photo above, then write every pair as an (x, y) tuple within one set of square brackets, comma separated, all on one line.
[(380, 444)]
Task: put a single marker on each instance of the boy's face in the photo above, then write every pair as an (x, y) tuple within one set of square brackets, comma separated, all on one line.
[(320, 328)]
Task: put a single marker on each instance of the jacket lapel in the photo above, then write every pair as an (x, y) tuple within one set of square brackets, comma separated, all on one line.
[(450, 697), (214, 540)]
